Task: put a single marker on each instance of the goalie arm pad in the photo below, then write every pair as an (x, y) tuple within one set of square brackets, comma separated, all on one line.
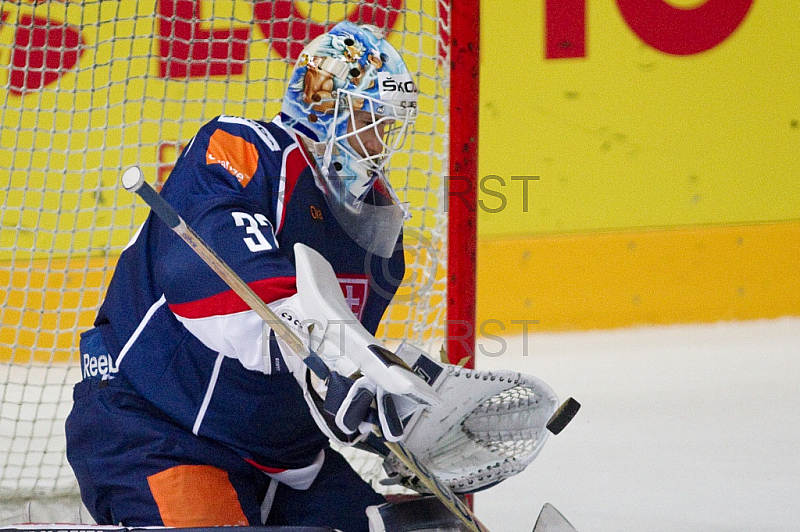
[(368, 385)]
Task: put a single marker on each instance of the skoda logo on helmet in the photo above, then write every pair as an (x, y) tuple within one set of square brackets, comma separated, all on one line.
[(391, 85), (396, 86)]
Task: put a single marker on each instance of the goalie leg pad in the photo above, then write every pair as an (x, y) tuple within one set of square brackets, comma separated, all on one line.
[(418, 515)]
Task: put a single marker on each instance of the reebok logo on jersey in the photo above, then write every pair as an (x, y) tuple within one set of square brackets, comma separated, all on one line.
[(98, 365), (234, 154)]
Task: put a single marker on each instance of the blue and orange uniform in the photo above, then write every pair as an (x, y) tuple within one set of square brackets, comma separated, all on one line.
[(187, 413)]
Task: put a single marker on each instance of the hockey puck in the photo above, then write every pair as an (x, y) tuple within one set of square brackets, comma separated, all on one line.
[(563, 415)]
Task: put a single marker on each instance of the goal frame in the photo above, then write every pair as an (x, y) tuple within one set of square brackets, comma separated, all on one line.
[(462, 230)]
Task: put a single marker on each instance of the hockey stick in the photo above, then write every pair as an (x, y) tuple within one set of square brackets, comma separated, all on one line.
[(133, 181)]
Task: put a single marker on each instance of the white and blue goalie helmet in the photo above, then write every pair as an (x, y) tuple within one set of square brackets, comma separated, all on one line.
[(353, 100)]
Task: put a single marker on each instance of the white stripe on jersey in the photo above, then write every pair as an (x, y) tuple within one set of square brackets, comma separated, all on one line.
[(189, 146), (236, 336), (277, 121), (152, 310), (212, 383), (301, 479), (280, 207), (260, 130), (269, 498)]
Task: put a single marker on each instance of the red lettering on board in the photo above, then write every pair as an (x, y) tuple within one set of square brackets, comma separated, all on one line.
[(44, 50), (188, 50), (672, 30), (565, 29), (679, 31)]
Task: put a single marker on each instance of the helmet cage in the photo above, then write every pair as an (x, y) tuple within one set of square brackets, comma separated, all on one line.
[(368, 141), (388, 123)]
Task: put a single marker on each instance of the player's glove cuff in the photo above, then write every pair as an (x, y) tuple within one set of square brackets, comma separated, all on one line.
[(353, 405)]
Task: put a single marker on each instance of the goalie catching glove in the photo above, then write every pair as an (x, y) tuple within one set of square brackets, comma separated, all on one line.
[(489, 426), (365, 385)]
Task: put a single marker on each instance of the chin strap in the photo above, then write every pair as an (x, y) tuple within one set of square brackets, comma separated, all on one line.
[(327, 156)]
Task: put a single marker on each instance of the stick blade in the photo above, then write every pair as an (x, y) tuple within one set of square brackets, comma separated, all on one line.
[(551, 520)]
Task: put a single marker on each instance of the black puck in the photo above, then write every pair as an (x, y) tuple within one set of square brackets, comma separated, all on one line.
[(563, 415)]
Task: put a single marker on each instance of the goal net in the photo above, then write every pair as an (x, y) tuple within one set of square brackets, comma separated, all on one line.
[(90, 88)]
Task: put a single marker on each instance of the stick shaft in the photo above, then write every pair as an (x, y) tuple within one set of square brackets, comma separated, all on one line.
[(441, 491)]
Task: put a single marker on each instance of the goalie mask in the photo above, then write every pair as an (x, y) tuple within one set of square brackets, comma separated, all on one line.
[(352, 97)]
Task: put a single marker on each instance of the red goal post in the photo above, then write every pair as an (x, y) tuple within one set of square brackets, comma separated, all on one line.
[(462, 235), (90, 88)]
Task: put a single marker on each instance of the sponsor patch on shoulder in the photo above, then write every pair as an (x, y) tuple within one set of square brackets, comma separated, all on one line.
[(236, 155)]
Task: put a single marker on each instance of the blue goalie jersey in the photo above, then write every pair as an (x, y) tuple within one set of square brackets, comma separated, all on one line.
[(183, 341)]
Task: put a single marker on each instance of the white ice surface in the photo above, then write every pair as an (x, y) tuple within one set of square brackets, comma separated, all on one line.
[(682, 428)]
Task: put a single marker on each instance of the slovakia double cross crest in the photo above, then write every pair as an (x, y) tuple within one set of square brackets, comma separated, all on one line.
[(355, 293)]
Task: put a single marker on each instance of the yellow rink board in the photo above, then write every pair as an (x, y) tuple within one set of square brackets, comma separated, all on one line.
[(618, 279), (630, 137), (665, 185)]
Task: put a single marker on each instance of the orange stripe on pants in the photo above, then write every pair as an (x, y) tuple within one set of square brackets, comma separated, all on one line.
[(196, 496)]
